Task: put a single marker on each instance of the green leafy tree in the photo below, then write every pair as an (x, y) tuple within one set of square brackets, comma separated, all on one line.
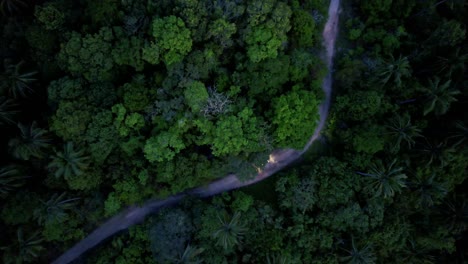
[(102, 136), (10, 180), (303, 28), (89, 56), (69, 162), (230, 232), (71, 119), (50, 15), (439, 97), (296, 117), (264, 37), (163, 147), (15, 81), (385, 181), (172, 38), (401, 130), (196, 96), (31, 142), (55, 209), (221, 31), (65, 88), (25, 249), (128, 50)]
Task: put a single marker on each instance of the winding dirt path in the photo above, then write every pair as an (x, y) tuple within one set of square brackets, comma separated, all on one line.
[(135, 214)]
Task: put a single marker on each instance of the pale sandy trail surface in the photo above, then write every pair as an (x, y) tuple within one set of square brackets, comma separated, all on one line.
[(136, 214)]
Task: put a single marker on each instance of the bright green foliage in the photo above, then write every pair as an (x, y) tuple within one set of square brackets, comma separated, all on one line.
[(235, 134), (101, 136), (163, 147), (65, 88), (89, 56), (296, 116), (10, 179), (127, 123), (385, 181), (264, 37), (15, 81), (128, 51), (150, 53), (49, 15), (303, 28), (24, 249), (400, 129), (32, 142), (221, 31), (230, 232), (54, 210), (440, 96), (172, 38), (69, 162), (112, 204), (196, 96)]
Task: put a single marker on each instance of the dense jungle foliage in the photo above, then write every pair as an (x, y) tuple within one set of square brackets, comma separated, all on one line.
[(104, 104)]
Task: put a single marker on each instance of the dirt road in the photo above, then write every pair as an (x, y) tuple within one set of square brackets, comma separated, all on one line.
[(135, 214)]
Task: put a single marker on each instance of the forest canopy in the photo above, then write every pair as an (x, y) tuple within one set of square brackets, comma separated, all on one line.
[(106, 104)]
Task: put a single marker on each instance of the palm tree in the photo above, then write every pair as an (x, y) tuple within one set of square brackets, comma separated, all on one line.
[(230, 232), (438, 152), (6, 111), (427, 190), (401, 129), (189, 256), (31, 142), (439, 97), (357, 255), (23, 250), (11, 6), (385, 181), (69, 163), (54, 209), (454, 63), (394, 69), (277, 259), (15, 81), (462, 133), (10, 179), (454, 214)]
